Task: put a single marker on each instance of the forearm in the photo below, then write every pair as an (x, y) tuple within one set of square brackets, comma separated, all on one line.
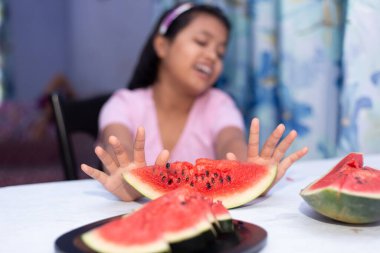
[(231, 140)]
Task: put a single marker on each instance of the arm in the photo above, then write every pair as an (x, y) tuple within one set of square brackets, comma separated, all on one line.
[(231, 140)]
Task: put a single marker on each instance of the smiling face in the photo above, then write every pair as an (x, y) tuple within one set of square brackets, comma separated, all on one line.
[(192, 62)]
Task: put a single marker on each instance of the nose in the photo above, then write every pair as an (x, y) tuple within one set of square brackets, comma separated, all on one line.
[(212, 54)]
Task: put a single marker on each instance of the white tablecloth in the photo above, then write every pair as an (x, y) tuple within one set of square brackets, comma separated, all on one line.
[(33, 216)]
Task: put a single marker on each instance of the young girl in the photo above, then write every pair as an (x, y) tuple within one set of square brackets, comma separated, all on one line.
[(171, 97)]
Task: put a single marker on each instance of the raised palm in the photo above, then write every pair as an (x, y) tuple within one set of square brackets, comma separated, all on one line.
[(113, 180), (273, 151)]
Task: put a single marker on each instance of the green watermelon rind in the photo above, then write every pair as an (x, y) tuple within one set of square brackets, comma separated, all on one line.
[(96, 242), (343, 206), (231, 201)]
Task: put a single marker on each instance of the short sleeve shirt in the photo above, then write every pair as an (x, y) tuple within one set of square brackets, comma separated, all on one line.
[(210, 113)]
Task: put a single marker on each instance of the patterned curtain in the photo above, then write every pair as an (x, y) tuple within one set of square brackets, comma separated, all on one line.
[(1, 51), (310, 64), (4, 80)]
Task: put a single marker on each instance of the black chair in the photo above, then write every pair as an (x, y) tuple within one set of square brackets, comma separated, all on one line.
[(74, 116)]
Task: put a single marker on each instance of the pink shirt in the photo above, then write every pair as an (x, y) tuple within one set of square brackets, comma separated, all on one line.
[(210, 113)]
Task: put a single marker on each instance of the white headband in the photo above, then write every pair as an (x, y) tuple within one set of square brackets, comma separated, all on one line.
[(168, 20)]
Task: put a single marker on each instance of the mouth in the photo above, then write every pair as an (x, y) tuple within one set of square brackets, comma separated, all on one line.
[(204, 70)]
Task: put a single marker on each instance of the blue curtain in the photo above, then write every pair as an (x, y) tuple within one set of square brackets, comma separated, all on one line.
[(1, 51), (313, 65), (5, 86)]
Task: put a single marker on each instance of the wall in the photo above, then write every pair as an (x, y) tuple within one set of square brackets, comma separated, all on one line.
[(94, 42), (37, 34), (106, 39)]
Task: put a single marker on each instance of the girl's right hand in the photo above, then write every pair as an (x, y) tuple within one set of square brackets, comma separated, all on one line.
[(114, 182)]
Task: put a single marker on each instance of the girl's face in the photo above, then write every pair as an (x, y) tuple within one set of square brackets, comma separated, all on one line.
[(194, 59)]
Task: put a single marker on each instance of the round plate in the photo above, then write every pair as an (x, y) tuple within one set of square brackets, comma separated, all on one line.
[(248, 238)]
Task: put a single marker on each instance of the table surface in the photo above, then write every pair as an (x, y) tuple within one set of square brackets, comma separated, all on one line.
[(33, 216)]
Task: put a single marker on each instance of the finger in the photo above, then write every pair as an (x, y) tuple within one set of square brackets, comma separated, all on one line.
[(138, 148), (98, 175), (281, 149), (272, 141), (231, 156), (288, 161), (162, 158), (119, 151), (254, 139), (109, 164)]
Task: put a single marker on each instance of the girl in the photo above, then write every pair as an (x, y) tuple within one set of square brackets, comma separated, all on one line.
[(171, 96)]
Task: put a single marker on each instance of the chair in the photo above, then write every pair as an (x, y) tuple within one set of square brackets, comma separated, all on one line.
[(74, 116)]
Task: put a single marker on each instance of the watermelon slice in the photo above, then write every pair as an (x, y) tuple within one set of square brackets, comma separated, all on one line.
[(231, 182), (348, 193), (177, 221)]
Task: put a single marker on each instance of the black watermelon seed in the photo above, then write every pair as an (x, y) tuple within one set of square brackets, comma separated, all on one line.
[(212, 180), (187, 179), (192, 184), (203, 177), (163, 179), (170, 181), (215, 174), (228, 178), (207, 173), (208, 185), (167, 165), (221, 180)]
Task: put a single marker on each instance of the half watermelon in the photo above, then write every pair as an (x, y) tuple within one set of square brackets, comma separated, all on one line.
[(231, 182), (348, 193)]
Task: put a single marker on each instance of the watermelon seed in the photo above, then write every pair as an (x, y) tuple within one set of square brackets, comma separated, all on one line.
[(221, 180), (178, 180), (207, 173), (187, 179), (170, 181), (358, 180), (192, 184), (163, 179), (208, 185), (215, 174), (167, 165), (183, 203), (203, 177), (183, 172), (212, 180), (228, 178)]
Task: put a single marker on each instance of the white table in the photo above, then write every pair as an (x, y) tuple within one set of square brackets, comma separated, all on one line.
[(33, 216)]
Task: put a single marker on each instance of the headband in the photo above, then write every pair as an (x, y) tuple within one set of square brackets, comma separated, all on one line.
[(168, 20)]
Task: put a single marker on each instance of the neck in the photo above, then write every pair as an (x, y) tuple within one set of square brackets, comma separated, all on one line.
[(172, 100)]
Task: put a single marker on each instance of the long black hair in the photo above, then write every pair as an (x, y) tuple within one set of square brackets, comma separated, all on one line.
[(145, 72)]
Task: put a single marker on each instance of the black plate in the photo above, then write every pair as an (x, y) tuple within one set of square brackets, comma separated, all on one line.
[(248, 238)]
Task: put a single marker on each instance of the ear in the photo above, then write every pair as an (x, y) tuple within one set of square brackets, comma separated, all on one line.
[(161, 46)]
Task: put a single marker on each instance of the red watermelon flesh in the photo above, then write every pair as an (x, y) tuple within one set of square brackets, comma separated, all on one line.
[(348, 193), (177, 219), (120, 235), (231, 182)]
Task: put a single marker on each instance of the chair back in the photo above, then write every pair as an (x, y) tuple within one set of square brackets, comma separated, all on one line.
[(74, 116)]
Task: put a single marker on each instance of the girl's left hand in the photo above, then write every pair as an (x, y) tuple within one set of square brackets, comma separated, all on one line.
[(272, 151)]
